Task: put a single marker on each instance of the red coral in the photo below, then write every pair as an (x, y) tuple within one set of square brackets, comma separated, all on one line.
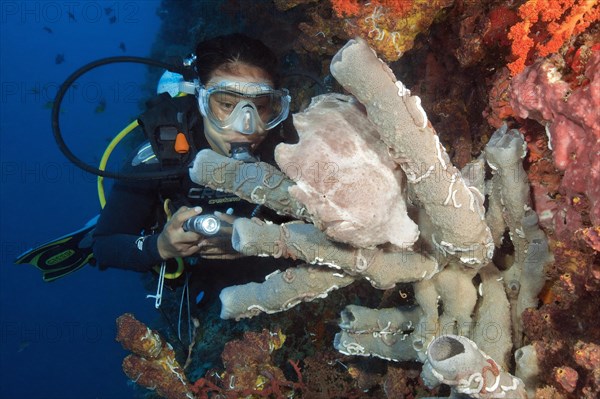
[(519, 34), (567, 378), (501, 19), (152, 364), (587, 355), (499, 108), (345, 8), (546, 25), (591, 236), (351, 8), (250, 371)]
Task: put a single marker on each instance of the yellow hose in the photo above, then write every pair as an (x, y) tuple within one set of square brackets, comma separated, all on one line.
[(100, 182), (109, 149)]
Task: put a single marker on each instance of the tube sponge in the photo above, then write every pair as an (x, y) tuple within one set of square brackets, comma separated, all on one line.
[(256, 182), (492, 331), (382, 333), (527, 367), (455, 208), (280, 291), (504, 153), (302, 241), (456, 361)]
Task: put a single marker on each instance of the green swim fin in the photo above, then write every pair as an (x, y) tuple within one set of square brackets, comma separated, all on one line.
[(63, 255)]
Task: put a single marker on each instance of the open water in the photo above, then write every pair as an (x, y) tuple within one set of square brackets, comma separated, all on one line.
[(57, 340)]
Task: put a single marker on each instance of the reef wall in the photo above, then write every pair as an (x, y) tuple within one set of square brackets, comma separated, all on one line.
[(474, 66)]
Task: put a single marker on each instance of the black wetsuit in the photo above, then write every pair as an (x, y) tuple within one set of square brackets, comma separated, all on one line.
[(127, 231)]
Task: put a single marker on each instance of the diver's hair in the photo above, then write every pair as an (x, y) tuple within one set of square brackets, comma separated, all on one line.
[(237, 47)]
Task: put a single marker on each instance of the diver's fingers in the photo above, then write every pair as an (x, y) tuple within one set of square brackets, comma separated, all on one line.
[(173, 238), (217, 248), (226, 217), (183, 214), (226, 230), (226, 222), (168, 252), (174, 242), (191, 250)]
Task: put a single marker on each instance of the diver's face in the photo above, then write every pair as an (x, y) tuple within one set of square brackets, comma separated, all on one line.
[(220, 141)]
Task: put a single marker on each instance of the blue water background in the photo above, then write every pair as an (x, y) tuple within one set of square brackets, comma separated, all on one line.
[(57, 340)]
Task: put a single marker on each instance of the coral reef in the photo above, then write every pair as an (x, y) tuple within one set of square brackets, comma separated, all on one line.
[(464, 244), (545, 25), (152, 364), (572, 123), (565, 329), (389, 26), (458, 67), (249, 370)]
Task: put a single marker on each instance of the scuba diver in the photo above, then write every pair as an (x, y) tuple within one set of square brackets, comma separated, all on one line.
[(237, 110)]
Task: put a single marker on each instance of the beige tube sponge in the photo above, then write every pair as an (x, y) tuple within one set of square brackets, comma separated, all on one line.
[(280, 291), (455, 208), (384, 333), (456, 361), (383, 268)]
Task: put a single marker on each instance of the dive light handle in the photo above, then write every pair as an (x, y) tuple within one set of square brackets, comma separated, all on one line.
[(207, 225)]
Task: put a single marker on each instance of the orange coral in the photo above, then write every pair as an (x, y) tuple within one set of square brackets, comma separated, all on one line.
[(351, 8), (389, 26), (345, 8), (546, 25), (580, 15)]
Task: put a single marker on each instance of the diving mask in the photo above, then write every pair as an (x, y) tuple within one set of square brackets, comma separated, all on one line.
[(244, 107)]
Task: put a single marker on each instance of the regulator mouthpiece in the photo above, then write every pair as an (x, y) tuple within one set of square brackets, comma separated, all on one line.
[(241, 152)]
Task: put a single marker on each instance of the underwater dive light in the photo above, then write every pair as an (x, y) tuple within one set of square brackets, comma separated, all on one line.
[(207, 225)]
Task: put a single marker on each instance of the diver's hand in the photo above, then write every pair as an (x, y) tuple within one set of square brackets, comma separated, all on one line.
[(173, 241)]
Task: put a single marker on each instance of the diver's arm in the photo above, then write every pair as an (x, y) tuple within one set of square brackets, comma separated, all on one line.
[(119, 237), (125, 251)]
